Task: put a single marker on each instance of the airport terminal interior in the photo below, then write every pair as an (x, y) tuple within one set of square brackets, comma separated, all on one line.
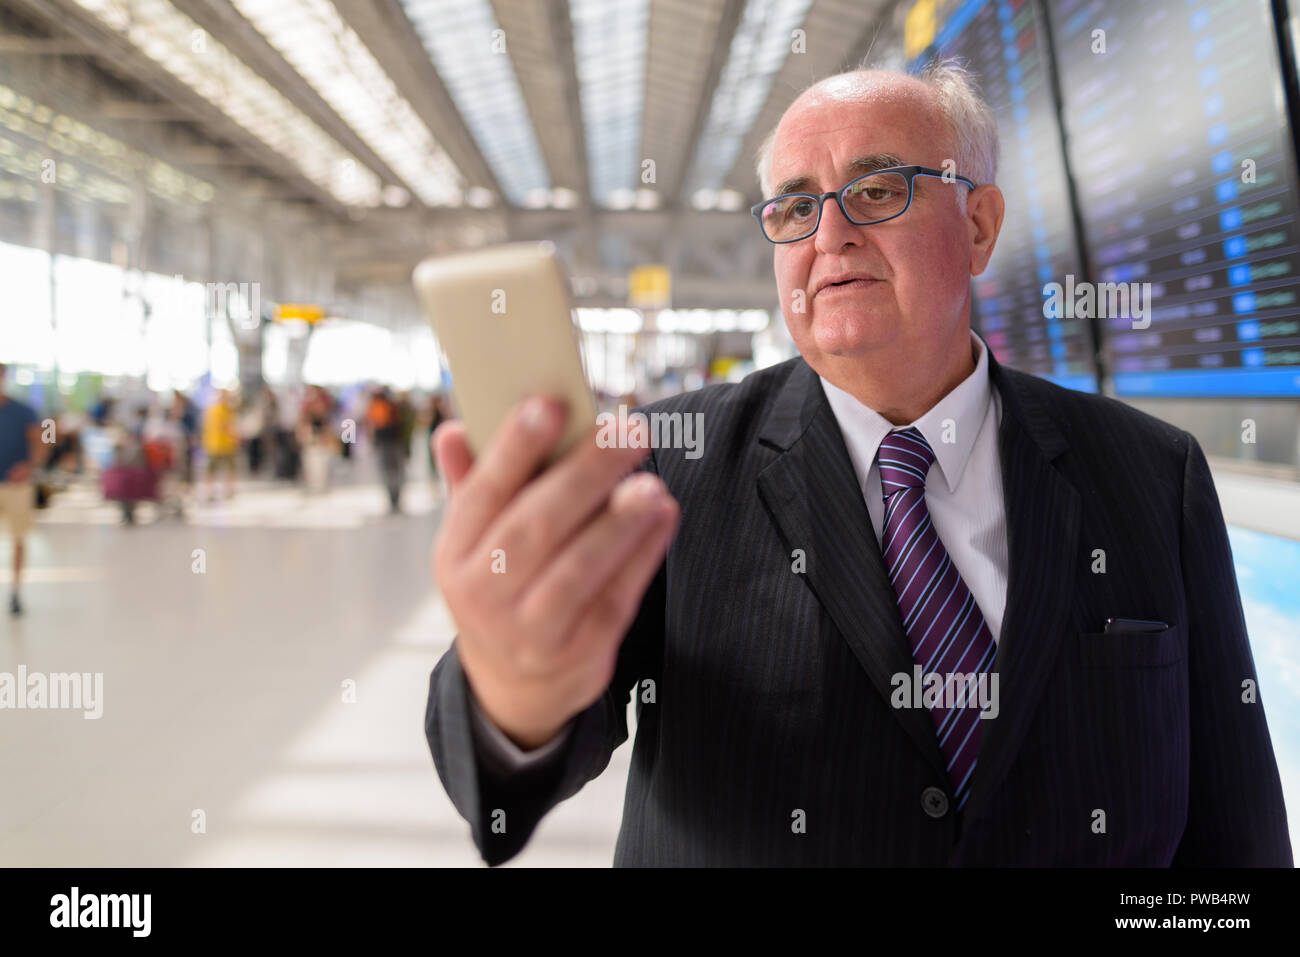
[(210, 213)]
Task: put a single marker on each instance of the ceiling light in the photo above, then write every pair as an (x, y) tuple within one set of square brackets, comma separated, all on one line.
[(168, 37), (758, 49), (469, 50), (330, 56), (609, 41)]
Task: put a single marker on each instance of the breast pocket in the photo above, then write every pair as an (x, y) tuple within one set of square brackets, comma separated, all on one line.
[(1156, 650), (1120, 719)]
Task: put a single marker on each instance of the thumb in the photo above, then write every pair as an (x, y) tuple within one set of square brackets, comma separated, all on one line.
[(452, 451)]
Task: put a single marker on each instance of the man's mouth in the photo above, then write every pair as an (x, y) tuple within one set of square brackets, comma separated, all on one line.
[(845, 286)]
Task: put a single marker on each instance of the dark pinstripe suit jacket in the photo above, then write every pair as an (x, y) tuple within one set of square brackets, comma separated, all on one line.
[(771, 739)]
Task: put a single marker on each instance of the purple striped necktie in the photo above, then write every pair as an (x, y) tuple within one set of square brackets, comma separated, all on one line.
[(944, 626)]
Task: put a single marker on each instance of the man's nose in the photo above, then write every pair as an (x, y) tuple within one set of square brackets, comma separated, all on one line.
[(834, 232)]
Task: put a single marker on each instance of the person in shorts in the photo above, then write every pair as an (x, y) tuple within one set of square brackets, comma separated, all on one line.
[(20, 448), (221, 441)]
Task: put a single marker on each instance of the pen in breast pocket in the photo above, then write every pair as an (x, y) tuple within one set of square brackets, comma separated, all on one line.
[(1126, 626)]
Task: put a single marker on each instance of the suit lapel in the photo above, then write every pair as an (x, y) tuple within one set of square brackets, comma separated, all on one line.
[(1043, 515), (812, 496)]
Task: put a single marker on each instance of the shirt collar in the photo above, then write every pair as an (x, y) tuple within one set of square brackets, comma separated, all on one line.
[(966, 406)]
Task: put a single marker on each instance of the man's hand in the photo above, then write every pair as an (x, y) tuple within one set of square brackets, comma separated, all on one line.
[(543, 574), (19, 472)]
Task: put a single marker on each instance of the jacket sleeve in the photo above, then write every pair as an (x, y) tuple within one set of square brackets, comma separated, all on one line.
[(1236, 816), (503, 808)]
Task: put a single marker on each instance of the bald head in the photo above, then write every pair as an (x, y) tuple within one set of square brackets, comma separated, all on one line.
[(941, 99)]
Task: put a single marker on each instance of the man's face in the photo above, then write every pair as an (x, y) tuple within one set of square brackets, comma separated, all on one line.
[(917, 266)]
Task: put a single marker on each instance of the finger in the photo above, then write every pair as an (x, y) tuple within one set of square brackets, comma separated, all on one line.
[(568, 583), (512, 456), (451, 448), (550, 510), (602, 625)]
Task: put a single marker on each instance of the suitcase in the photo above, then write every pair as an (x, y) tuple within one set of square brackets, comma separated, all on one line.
[(130, 483)]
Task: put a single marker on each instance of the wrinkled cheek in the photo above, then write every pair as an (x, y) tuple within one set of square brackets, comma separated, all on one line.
[(936, 285)]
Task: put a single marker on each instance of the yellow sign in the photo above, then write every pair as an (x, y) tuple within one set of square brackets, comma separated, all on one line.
[(296, 310), (919, 28), (649, 287)]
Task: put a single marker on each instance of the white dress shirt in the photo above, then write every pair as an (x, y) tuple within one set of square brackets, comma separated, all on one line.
[(963, 492), (963, 489)]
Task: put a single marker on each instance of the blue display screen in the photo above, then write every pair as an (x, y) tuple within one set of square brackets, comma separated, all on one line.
[(1182, 162), (1003, 43)]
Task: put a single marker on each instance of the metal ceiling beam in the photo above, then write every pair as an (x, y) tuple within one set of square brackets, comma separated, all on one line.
[(535, 41), (832, 29), (43, 46), (561, 37), (120, 57), (383, 26), (209, 156), (722, 37), (601, 289), (228, 26), (148, 112), (586, 244), (724, 244), (671, 247)]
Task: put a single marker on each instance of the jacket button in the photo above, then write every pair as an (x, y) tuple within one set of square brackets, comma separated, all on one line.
[(935, 802)]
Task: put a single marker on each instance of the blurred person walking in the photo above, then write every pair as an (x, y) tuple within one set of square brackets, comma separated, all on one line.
[(101, 435), (286, 450), (186, 417), (406, 416), (21, 452), (221, 441), (255, 427), (385, 418), (163, 443), (317, 439)]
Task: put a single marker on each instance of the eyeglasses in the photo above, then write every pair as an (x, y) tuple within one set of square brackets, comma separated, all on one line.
[(874, 198)]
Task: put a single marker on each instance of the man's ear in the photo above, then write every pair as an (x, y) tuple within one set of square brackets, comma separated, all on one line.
[(984, 210)]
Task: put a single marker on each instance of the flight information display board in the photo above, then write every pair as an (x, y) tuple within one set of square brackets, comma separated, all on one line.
[(1185, 174), (1004, 44)]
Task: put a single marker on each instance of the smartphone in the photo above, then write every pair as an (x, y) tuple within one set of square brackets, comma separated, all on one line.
[(503, 318)]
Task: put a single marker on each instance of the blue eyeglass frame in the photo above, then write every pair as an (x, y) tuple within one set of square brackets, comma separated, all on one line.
[(910, 173)]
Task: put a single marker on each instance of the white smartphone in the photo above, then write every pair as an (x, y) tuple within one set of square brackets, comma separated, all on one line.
[(503, 317)]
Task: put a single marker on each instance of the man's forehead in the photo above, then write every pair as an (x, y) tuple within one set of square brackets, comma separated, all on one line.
[(854, 116)]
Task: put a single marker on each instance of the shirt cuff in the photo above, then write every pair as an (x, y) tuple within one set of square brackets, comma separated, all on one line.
[(500, 752)]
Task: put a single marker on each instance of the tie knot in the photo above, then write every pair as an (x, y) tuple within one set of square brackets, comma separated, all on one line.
[(905, 458)]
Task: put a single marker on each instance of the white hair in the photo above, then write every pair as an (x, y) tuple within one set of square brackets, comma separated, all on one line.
[(974, 127)]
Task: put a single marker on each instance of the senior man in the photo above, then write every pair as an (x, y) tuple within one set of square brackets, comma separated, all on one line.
[(883, 520)]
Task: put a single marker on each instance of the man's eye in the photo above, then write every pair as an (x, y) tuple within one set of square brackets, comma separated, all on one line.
[(874, 193), (801, 209)]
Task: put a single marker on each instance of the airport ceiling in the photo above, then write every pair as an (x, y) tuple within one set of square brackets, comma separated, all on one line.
[(623, 129)]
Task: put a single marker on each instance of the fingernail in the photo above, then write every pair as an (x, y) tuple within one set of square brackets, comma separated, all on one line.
[(647, 487), (536, 415)]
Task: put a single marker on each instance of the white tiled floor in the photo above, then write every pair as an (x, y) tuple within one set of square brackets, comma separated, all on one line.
[(223, 692)]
